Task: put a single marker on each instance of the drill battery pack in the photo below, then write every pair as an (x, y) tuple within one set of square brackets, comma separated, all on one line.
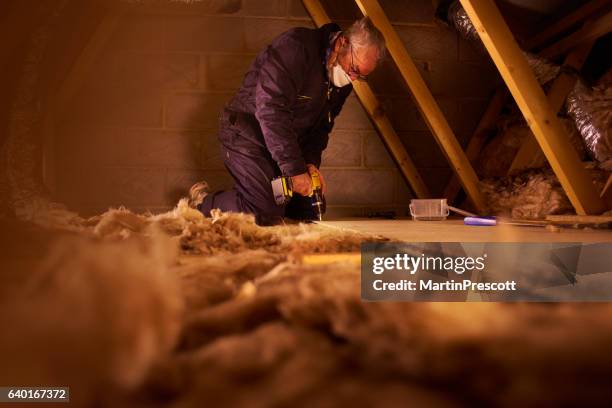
[(282, 190)]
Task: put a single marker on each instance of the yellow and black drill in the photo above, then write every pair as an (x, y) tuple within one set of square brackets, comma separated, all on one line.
[(283, 191)]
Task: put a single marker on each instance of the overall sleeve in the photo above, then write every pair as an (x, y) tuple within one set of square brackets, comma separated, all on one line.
[(317, 142), (280, 78), (319, 136)]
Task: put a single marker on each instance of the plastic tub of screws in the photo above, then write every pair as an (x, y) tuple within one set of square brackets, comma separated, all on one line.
[(429, 209)]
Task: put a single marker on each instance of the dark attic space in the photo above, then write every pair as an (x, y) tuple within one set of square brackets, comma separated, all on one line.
[(208, 202)]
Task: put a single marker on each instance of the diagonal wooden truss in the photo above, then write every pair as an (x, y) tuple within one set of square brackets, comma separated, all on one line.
[(426, 103), (423, 97), (530, 154), (534, 105), (381, 121), (523, 86)]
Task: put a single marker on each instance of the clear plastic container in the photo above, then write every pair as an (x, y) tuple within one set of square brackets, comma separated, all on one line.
[(429, 209)]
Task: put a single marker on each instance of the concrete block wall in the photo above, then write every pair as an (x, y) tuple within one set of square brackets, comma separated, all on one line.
[(143, 128)]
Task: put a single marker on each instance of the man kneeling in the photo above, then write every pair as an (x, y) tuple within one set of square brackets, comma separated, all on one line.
[(279, 121)]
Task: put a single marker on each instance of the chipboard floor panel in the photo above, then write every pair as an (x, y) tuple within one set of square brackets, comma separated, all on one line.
[(408, 230)]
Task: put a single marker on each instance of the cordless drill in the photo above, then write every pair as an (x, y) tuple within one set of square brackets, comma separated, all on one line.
[(283, 191)]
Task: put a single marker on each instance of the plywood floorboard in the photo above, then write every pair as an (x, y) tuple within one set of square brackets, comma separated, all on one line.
[(455, 231)]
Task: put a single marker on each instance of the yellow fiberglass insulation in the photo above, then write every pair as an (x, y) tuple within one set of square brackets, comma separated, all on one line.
[(533, 194), (180, 310), (90, 313), (95, 302)]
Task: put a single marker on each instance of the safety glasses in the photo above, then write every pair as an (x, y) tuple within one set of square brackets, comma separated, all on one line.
[(353, 70)]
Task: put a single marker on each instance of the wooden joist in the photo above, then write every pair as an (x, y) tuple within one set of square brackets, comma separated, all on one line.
[(530, 98), (426, 103), (380, 120), (590, 31), (565, 23), (530, 155), (579, 219)]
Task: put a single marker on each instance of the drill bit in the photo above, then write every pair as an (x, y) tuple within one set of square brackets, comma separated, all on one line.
[(317, 195), (319, 209)]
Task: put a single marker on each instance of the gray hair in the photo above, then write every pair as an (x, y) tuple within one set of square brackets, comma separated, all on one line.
[(363, 33)]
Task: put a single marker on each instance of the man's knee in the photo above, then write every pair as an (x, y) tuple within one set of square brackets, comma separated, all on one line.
[(265, 212), (271, 214)]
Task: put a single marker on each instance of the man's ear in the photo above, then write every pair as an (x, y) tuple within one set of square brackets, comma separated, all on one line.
[(345, 40), (340, 43)]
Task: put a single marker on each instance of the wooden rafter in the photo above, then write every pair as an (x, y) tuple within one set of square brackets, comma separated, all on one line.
[(380, 120), (590, 31), (529, 154), (426, 103), (530, 98), (565, 82), (565, 23)]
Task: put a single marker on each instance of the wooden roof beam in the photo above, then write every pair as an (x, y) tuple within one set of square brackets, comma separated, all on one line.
[(426, 103), (530, 154), (590, 31), (565, 23), (378, 117), (530, 98)]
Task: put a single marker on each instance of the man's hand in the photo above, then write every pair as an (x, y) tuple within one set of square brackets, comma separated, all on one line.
[(313, 169), (302, 184)]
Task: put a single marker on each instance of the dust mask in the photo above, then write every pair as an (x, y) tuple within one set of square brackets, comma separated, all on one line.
[(338, 77)]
